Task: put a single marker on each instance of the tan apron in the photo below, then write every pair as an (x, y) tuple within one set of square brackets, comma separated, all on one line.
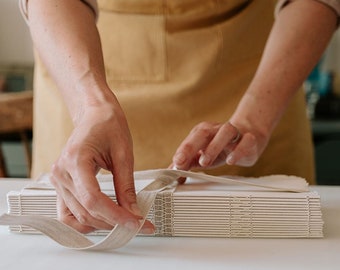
[(173, 64)]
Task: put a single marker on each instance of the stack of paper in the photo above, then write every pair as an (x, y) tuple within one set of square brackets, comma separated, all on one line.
[(240, 207)]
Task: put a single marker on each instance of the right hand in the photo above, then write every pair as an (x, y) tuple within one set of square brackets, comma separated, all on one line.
[(101, 139)]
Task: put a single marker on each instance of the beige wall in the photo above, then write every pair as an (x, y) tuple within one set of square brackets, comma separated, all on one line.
[(15, 42), (16, 47)]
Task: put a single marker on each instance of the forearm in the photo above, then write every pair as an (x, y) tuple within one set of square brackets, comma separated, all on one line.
[(298, 38), (65, 36)]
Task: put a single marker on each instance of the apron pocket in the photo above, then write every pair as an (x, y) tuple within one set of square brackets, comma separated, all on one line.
[(133, 46)]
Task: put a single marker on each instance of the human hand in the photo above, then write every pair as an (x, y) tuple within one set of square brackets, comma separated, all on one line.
[(210, 145), (101, 139)]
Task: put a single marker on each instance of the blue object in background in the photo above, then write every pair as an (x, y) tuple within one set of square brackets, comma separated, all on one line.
[(320, 80), (317, 85)]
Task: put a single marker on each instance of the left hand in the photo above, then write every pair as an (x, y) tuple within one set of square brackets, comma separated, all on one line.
[(210, 145)]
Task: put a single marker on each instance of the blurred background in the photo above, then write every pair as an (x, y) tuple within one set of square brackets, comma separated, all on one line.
[(322, 89), (16, 75)]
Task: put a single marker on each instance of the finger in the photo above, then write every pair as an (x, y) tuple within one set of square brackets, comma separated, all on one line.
[(79, 219), (245, 153), (66, 216), (189, 151), (219, 147), (126, 192), (97, 204), (68, 191), (180, 180), (81, 214), (100, 205), (63, 213), (123, 179), (63, 183), (84, 187), (59, 179)]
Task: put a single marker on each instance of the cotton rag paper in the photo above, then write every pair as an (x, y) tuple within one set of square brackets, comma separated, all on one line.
[(276, 206)]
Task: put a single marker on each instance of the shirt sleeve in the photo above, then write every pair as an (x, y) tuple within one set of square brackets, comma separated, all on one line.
[(24, 10), (334, 4)]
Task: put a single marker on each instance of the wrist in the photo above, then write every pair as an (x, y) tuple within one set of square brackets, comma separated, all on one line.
[(92, 98), (255, 116)]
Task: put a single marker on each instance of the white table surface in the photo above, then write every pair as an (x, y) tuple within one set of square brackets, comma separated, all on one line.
[(22, 251)]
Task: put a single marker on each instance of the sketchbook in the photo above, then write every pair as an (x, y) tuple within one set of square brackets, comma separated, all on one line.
[(275, 206)]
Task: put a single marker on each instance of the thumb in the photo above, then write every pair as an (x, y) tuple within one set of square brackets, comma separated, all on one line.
[(245, 153), (125, 190)]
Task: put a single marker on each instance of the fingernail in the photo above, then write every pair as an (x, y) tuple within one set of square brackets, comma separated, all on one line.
[(147, 231), (135, 209), (181, 180), (230, 159), (131, 225), (179, 159), (204, 160)]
